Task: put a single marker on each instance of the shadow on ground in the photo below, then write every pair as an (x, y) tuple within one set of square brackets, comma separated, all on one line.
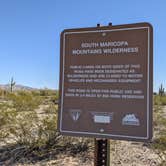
[(21, 154)]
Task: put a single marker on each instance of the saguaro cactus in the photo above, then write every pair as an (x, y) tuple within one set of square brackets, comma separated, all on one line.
[(12, 83), (161, 90)]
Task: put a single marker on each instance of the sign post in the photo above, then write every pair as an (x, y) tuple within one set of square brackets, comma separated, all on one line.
[(102, 152), (106, 76), (102, 147)]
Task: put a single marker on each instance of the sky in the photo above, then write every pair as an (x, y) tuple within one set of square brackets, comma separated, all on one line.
[(30, 34)]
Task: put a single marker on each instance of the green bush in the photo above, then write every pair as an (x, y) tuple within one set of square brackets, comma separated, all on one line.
[(159, 100), (24, 101), (156, 100), (35, 132), (48, 92), (25, 132), (51, 109), (163, 100), (7, 120), (3, 93), (160, 143), (49, 125), (18, 117)]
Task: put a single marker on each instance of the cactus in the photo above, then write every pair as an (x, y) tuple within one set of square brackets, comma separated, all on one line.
[(12, 83), (161, 90)]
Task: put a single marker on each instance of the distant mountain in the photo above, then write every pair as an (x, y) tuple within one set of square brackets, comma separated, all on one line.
[(17, 87)]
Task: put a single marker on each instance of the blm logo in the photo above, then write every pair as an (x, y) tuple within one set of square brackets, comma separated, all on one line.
[(75, 114)]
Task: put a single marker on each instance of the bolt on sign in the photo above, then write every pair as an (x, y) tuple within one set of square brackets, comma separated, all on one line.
[(106, 82)]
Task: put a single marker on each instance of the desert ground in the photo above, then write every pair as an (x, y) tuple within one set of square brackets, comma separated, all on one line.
[(28, 135)]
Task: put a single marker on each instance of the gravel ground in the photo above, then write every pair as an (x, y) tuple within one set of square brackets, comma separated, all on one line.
[(122, 153)]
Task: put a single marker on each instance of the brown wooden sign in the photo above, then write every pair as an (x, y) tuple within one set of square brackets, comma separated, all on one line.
[(106, 82)]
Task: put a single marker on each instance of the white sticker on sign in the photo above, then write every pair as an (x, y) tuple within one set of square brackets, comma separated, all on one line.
[(130, 119), (102, 119)]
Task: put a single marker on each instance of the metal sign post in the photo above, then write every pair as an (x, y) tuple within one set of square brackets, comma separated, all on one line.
[(102, 152), (102, 147)]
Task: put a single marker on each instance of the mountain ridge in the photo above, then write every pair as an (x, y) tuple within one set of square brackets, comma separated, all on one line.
[(17, 87)]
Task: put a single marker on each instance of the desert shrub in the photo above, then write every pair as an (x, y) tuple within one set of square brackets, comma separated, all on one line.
[(51, 109), (81, 145), (75, 144), (162, 121), (35, 93), (49, 137), (1, 92), (34, 134), (49, 96), (25, 132), (163, 100), (43, 93), (18, 117), (159, 100), (26, 128), (49, 127), (54, 99), (7, 120), (160, 143), (48, 92), (156, 100), (24, 101)]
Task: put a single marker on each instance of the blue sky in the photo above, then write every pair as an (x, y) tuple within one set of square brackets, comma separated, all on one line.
[(30, 32)]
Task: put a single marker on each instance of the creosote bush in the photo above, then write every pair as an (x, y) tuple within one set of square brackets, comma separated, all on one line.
[(30, 119), (160, 143), (7, 120), (159, 100), (24, 101)]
